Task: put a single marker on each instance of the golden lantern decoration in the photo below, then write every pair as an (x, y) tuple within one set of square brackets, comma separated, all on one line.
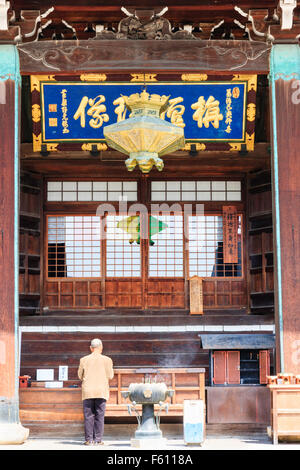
[(144, 136)]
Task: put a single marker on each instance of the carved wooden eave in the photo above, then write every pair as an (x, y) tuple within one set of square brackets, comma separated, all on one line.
[(147, 25), (269, 21), (281, 24), (103, 55), (287, 8), (25, 28)]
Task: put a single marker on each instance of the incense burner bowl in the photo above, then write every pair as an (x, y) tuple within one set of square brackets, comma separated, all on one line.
[(148, 392), (147, 395)]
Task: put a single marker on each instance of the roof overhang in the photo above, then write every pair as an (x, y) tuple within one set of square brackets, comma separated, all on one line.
[(237, 341)]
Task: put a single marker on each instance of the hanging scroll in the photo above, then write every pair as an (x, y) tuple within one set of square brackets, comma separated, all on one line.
[(230, 229)]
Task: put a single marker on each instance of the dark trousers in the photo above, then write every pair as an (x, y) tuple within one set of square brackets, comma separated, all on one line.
[(94, 411)]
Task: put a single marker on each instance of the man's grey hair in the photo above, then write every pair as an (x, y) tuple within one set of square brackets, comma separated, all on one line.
[(96, 343)]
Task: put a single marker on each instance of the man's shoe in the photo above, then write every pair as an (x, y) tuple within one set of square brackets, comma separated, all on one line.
[(88, 443), (99, 443)]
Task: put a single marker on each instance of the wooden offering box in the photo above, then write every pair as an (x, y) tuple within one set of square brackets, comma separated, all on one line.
[(285, 412)]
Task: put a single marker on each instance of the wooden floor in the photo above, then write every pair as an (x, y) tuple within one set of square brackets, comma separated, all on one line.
[(125, 429)]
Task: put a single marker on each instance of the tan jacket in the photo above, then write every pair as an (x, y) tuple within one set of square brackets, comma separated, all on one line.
[(95, 370)]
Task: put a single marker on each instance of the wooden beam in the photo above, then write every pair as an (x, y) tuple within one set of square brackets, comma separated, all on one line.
[(112, 163), (219, 56), (102, 4), (213, 162)]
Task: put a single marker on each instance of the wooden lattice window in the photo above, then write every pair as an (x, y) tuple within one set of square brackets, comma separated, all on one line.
[(166, 246), (205, 243), (88, 191), (123, 252), (74, 246), (196, 191)]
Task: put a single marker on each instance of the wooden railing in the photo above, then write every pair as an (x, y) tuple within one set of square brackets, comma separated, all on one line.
[(44, 404)]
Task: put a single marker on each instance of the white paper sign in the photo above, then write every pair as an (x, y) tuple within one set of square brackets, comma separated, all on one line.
[(193, 411), (44, 374), (63, 373), (53, 384)]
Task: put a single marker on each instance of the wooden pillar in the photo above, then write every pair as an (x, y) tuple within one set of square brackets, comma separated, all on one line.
[(11, 431), (285, 94)]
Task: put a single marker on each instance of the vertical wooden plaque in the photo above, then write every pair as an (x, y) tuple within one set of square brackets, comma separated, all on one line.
[(230, 227), (196, 295)]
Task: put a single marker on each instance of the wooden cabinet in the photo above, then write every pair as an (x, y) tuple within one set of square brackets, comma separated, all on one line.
[(226, 367), (285, 412), (243, 367)]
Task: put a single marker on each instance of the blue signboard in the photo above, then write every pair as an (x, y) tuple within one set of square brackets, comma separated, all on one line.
[(207, 111)]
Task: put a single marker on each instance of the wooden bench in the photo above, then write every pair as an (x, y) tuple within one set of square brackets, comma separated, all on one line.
[(65, 404)]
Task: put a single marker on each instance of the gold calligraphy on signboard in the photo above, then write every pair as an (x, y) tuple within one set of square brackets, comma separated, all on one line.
[(230, 229), (175, 112), (96, 109), (207, 111)]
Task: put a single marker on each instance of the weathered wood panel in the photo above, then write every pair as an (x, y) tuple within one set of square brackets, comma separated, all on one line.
[(123, 293), (73, 294), (238, 405), (180, 55), (165, 293), (122, 360), (224, 294), (138, 350)]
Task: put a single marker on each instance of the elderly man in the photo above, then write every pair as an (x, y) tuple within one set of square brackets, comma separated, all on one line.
[(95, 371)]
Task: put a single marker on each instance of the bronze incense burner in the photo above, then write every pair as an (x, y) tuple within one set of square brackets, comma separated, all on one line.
[(147, 395)]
